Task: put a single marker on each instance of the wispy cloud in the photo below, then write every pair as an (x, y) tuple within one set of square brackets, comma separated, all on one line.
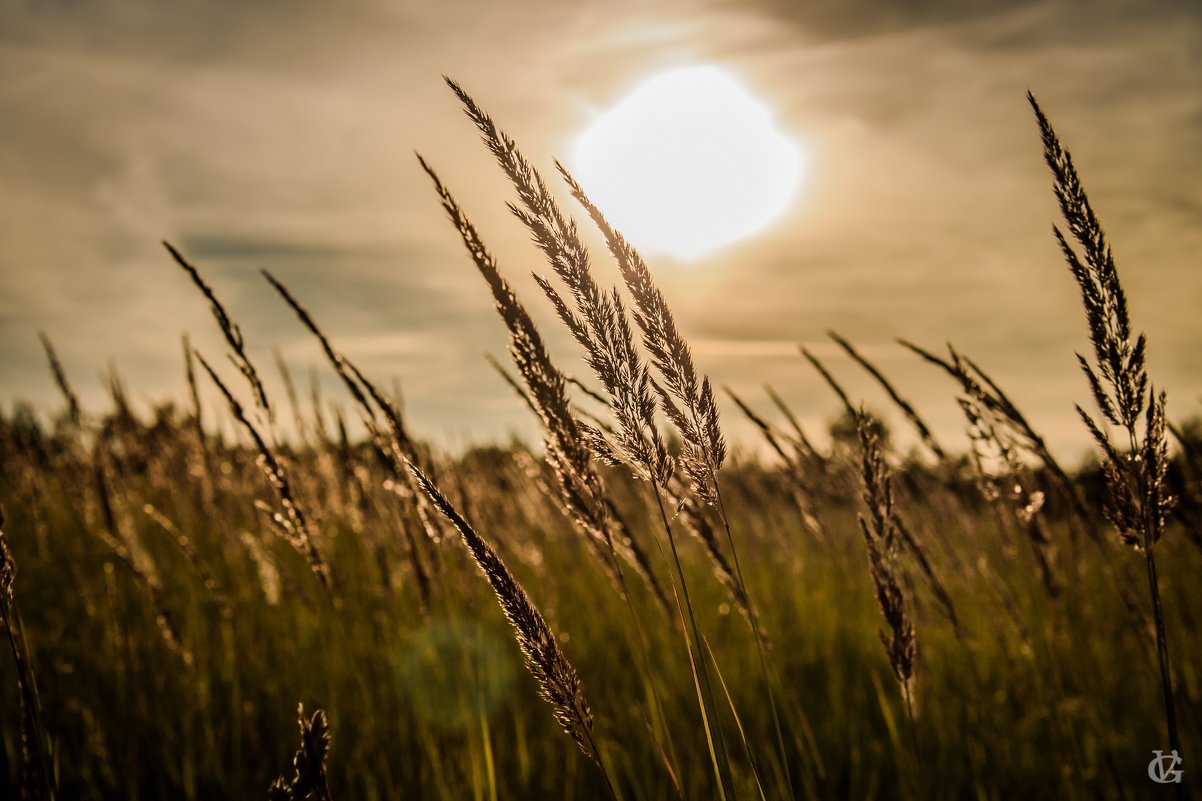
[(280, 135)]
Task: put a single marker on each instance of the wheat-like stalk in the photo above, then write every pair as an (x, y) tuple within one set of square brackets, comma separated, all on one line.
[(581, 490), (556, 677), (291, 522), (74, 414), (36, 781), (907, 408), (597, 319), (390, 441), (878, 523), (1138, 500), (685, 396), (230, 330)]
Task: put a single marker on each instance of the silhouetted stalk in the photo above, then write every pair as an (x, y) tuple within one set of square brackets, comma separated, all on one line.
[(37, 782), (597, 320), (1137, 497), (703, 448)]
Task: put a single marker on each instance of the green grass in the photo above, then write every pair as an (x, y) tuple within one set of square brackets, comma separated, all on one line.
[(1059, 700)]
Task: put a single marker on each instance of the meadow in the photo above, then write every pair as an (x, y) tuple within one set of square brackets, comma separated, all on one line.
[(702, 619)]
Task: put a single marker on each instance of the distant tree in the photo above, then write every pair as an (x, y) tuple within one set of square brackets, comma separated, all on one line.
[(843, 431)]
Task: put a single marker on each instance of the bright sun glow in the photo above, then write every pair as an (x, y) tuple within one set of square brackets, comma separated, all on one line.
[(688, 162)]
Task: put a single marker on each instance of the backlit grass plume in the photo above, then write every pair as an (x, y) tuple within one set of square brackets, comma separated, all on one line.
[(1137, 497), (686, 398), (597, 318), (580, 487), (598, 321), (879, 526), (309, 781), (557, 679)]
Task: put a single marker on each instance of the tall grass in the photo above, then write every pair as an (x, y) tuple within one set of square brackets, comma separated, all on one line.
[(182, 587)]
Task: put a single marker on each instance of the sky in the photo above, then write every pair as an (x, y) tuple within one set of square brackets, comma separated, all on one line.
[(281, 135)]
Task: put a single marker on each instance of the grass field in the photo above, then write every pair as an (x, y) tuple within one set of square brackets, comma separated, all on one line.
[(700, 623)]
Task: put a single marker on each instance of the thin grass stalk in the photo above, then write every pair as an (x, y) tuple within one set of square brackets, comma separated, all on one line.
[(36, 781), (1137, 498), (557, 679), (799, 488), (598, 321), (298, 419), (582, 494), (391, 444), (74, 414), (907, 409), (878, 523), (802, 442), (292, 523), (198, 429), (581, 489), (830, 380), (231, 331), (713, 733), (703, 448)]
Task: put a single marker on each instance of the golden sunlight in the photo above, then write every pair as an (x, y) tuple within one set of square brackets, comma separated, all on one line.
[(688, 163)]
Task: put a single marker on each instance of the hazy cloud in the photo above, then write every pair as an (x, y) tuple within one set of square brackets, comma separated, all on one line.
[(280, 135)]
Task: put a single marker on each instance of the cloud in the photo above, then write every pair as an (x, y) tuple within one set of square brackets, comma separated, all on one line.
[(280, 135)]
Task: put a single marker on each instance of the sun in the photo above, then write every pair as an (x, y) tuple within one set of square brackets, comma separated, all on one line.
[(687, 163)]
